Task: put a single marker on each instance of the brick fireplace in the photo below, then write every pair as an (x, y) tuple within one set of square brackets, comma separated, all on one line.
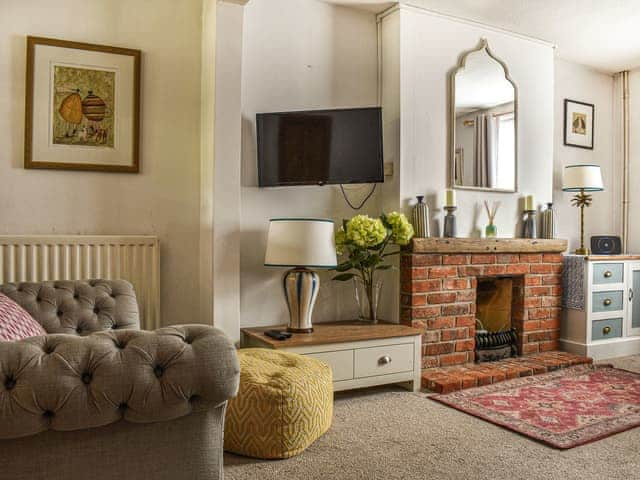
[(439, 278)]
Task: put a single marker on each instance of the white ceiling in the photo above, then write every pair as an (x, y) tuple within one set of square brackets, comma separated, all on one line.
[(603, 34)]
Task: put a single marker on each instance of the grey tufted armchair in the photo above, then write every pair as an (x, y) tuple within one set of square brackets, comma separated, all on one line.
[(98, 398)]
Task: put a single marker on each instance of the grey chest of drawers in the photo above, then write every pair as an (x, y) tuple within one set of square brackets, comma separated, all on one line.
[(601, 315)]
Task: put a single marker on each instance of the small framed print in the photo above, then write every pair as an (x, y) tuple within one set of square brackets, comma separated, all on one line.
[(578, 124), (82, 106)]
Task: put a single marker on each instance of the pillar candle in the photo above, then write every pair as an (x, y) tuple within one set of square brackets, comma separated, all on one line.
[(529, 203), (449, 198)]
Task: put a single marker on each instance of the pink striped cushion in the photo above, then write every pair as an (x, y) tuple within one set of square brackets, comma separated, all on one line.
[(15, 322)]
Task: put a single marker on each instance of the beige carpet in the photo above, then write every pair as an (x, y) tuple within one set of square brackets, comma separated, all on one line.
[(388, 433)]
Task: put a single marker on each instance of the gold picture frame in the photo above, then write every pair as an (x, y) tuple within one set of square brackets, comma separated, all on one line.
[(82, 106)]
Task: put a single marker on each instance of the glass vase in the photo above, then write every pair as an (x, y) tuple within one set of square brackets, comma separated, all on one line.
[(491, 231), (367, 298)]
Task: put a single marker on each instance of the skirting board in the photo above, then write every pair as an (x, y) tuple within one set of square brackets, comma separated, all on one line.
[(604, 349)]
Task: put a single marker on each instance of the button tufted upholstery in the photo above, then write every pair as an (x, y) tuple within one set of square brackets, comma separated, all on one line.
[(78, 307), (97, 369), (66, 383)]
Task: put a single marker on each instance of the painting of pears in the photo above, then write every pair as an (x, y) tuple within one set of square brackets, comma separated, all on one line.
[(83, 107)]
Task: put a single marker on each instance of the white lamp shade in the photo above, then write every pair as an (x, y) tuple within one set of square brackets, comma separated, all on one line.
[(301, 242), (582, 177)]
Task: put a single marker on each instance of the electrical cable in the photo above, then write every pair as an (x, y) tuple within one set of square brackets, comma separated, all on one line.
[(346, 199)]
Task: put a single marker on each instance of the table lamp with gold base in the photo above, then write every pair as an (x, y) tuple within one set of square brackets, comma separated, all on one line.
[(582, 179)]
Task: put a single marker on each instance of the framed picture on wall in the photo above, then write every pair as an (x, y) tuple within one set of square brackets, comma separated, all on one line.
[(578, 124), (82, 106)]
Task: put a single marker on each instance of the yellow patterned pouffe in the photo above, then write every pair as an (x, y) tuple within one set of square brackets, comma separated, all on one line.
[(285, 403)]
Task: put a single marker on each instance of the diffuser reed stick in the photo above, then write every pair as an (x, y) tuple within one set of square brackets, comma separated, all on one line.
[(491, 230)]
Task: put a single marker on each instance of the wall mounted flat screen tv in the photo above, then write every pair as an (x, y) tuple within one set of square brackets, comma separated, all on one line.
[(320, 147)]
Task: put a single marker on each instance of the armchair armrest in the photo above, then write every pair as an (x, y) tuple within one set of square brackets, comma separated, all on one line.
[(64, 382)]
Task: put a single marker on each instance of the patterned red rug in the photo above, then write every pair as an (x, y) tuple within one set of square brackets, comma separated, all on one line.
[(564, 409)]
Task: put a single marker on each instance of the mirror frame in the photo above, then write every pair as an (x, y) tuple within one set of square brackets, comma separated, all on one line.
[(484, 45)]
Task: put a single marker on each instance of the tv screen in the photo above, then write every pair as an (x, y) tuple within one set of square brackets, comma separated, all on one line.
[(320, 147)]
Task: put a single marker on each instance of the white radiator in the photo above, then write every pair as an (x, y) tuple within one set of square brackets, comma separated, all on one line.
[(37, 258)]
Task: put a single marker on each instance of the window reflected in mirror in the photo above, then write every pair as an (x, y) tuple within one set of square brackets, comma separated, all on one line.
[(484, 124)]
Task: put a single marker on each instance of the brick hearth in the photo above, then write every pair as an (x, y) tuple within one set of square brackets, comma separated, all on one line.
[(451, 379), (438, 293)]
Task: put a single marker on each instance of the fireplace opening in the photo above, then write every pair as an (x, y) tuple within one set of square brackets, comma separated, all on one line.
[(496, 337)]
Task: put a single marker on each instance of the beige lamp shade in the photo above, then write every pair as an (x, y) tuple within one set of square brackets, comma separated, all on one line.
[(582, 177), (301, 242)]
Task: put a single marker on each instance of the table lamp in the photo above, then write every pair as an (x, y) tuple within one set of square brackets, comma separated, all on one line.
[(581, 179), (302, 244)]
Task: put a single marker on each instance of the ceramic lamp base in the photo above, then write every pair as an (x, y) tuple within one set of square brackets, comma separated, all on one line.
[(301, 287), (300, 330)]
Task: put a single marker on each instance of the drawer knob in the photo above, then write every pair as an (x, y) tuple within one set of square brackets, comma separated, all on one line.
[(606, 330), (608, 274), (606, 302), (386, 360)]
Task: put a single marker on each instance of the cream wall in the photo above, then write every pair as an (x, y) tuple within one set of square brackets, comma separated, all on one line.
[(293, 63), (581, 83), (201, 197), (298, 54), (225, 187), (419, 49), (429, 48), (164, 198)]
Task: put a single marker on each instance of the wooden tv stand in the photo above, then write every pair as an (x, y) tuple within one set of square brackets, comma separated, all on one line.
[(360, 354)]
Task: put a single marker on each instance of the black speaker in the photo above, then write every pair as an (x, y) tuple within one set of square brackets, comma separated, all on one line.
[(606, 245)]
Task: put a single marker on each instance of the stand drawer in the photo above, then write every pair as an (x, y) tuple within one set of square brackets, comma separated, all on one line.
[(369, 362), (608, 301), (604, 273), (341, 363), (604, 329)]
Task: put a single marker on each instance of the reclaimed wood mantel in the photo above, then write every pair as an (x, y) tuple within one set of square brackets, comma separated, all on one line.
[(486, 245)]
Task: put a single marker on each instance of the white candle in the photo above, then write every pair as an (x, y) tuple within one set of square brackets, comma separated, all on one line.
[(449, 198), (529, 203)]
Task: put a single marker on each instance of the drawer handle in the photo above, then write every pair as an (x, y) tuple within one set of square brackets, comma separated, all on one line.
[(606, 330), (386, 360), (608, 274), (606, 302)]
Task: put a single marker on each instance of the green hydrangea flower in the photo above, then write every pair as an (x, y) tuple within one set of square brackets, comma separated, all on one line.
[(401, 229), (365, 231), (341, 238)]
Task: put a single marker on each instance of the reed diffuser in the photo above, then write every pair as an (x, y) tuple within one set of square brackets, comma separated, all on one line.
[(491, 230)]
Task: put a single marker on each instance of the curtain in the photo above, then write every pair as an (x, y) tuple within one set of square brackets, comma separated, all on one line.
[(458, 167), (485, 152)]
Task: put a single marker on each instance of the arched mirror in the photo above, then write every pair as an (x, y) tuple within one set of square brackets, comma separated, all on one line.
[(483, 123)]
